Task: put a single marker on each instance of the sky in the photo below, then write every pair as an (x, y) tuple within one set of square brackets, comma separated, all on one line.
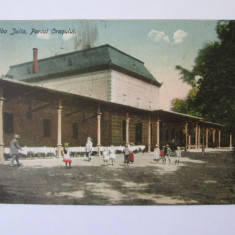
[(160, 44)]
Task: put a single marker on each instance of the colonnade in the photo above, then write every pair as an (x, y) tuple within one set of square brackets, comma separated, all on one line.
[(205, 137), (200, 129)]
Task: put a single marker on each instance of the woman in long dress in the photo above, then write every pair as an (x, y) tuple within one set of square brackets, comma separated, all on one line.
[(156, 154), (105, 156), (112, 154)]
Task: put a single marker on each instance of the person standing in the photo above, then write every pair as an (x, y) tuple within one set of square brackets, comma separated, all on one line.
[(178, 155), (162, 154), (88, 147), (14, 150), (168, 153), (156, 154), (66, 152), (126, 155), (105, 156), (112, 154)]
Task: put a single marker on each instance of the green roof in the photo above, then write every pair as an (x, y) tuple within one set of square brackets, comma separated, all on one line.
[(92, 59)]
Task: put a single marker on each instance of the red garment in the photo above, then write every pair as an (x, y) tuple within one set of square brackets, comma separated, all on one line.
[(68, 160), (131, 157), (162, 153)]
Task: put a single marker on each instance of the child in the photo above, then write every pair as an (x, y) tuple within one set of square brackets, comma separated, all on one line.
[(112, 154), (126, 155), (156, 154), (168, 153), (162, 154), (106, 156), (178, 155), (88, 148), (67, 158)]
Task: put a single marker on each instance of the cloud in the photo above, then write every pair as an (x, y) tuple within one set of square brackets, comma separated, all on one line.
[(44, 36), (158, 35), (179, 36), (67, 36)]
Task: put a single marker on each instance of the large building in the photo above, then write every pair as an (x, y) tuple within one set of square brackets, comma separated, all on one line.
[(102, 72), (99, 92)]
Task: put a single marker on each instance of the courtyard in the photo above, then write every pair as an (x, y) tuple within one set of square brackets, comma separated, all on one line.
[(196, 180)]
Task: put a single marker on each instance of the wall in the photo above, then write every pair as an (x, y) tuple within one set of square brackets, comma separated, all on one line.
[(87, 125), (30, 127), (133, 88), (29, 124), (108, 85), (116, 127), (92, 84)]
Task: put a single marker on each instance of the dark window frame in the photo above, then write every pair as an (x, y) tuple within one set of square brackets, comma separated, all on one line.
[(123, 130), (138, 133), (8, 123)]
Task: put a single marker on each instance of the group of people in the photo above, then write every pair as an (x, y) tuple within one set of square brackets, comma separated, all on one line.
[(108, 153), (66, 154), (165, 153)]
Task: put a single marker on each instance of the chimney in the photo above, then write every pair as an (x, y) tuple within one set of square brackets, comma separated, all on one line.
[(35, 60)]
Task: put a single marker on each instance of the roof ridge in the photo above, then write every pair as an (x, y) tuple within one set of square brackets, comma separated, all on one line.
[(125, 53), (74, 52), (61, 55)]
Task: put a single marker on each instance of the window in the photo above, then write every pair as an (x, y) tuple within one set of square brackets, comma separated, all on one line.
[(75, 130), (124, 130), (138, 133), (138, 103), (124, 99), (150, 105), (47, 128), (70, 63), (8, 123)]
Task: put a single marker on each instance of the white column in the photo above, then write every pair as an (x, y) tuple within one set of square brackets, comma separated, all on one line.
[(127, 129), (189, 142), (219, 137), (59, 129), (231, 141), (207, 137), (199, 136), (1, 127), (196, 142), (99, 129), (149, 136), (158, 133), (186, 135), (213, 135)]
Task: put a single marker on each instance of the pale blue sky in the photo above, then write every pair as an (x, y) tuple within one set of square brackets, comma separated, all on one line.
[(160, 44)]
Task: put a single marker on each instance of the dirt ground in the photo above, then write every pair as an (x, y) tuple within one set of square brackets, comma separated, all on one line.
[(196, 180)]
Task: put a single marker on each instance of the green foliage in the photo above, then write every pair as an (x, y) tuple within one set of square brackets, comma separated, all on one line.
[(187, 105), (214, 97), (186, 75)]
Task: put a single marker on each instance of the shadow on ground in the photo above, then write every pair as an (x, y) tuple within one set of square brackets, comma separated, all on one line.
[(211, 182)]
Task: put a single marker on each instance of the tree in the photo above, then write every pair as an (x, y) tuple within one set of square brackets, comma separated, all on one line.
[(213, 75)]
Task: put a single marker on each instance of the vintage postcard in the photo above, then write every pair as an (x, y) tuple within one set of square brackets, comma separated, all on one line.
[(117, 112)]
